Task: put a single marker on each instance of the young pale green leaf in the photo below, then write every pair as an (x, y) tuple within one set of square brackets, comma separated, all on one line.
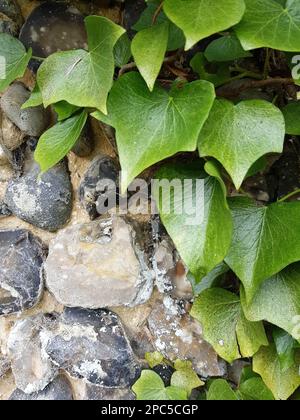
[(200, 19), (148, 48), (64, 110), (176, 38), (225, 326), (122, 51), (282, 291), (56, 142), (267, 23), (15, 60), (282, 384), (79, 77), (185, 377), (254, 389), (207, 226), (291, 115), (35, 98), (226, 48), (220, 390), (150, 387), (285, 347), (154, 359), (238, 135), (152, 126), (265, 240)]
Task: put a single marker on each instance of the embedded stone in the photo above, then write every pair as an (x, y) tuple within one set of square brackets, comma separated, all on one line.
[(21, 281), (98, 265), (59, 389)]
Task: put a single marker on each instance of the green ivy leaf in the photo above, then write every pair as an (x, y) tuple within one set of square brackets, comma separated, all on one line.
[(35, 98), (238, 135), (56, 142), (225, 326), (79, 77), (220, 390), (265, 240), (285, 347), (153, 126), (210, 280), (185, 377), (64, 110), (199, 65), (208, 239), (176, 38), (226, 48), (16, 59), (282, 291), (291, 115), (150, 387), (154, 359), (254, 389), (267, 364), (267, 23), (148, 49), (122, 51), (200, 19)]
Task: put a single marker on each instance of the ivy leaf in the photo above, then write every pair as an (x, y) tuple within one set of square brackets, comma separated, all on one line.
[(153, 126), (154, 359), (210, 280), (208, 229), (285, 347), (267, 364), (199, 64), (149, 48), (122, 51), (225, 326), (150, 387), (15, 59), (176, 38), (35, 98), (200, 19), (226, 48), (185, 377), (291, 115), (220, 390), (254, 389), (267, 23), (238, 135), (64, 110), (56, 142), (79, 77), (265, 240), (281, 291)]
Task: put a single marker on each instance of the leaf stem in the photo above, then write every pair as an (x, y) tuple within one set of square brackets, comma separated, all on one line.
[(267, 63), (290, 195), (157, 12), (34, 57)]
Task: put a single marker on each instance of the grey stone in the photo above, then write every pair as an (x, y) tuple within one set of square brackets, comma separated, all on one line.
[(98, 265), (59, 389), (177, 336), (92, 345), (96, 393), (32, 121), (4, 365), (44, 201), (31, 367), (52, 27), (21, 259), (102, 168)]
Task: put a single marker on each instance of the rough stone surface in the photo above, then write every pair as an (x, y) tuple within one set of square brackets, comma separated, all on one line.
[(92, 345), (177, 336), (4, 365), (102, 168), (11, 137), (8, 26), (96, 393), (31, 367), (11, 9), (59, 389), (21, 282), (98, 265), (52, 27), (32, 121), (46, 201)]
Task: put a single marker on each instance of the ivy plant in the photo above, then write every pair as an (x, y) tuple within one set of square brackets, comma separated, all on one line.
[(206, 91)]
